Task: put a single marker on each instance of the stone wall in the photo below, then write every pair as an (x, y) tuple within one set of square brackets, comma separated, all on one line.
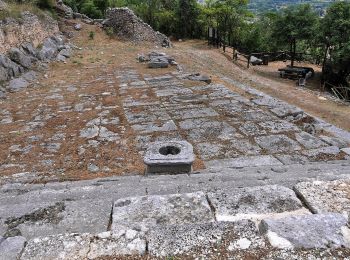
[(128, 26), (30, 28)]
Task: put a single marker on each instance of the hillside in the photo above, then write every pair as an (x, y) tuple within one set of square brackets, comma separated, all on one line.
[(259, 6)]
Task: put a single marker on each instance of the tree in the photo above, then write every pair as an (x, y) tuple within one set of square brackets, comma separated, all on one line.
[(295, 24), (335, 31), (187, 15)]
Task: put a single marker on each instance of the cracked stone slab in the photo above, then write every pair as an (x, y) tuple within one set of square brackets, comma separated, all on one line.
[(278, 126), (155, 127), (308, 231), (247, 161), (69, 246), (328, 150), (309, 141), (335, 141), (326, 196), (149, 211), (203, 238), (43, 219), (277, 143), (224, 132), (119, 243), (254, 202), (11, 247), (193, 113)]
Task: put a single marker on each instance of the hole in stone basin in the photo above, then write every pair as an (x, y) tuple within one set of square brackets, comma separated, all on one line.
[(169, 150)]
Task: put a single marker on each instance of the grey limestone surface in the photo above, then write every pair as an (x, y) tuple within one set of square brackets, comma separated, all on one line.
[(253, 202), (323, 196), (307, 231), (11, 248), (149, 211), (180, 240)]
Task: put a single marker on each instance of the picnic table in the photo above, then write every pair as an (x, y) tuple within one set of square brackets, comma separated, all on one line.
[(295, 72)]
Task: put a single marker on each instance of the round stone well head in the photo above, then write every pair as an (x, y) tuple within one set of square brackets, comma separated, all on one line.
[(173, 157)]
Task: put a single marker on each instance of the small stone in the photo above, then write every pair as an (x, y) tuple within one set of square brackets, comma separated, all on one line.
[(78, 27)]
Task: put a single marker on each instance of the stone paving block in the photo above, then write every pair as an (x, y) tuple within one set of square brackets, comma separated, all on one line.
[(308, 231), (199, 123), (69, 246), (193, 113), (334, 141), (254, 203), (119, 243), (155, 127), (11, 247), (288, 159), (190, 98), (223, 132), (285, 110), (328, 150), (149, 211), (61, 217), (278, 126), (208, 150), (277, 143), (252, 129), (245, 146), (309, 141), (172, 91), (203, 238), (257, 115), (247, 161), (326, 196), (146, 116)]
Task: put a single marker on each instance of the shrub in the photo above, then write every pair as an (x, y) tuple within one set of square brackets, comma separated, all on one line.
[(45, 4)]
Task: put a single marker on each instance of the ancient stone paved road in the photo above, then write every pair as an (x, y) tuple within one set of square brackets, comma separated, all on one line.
[(103, 127)]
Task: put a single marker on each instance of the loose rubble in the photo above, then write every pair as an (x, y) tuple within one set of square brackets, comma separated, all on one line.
[(127, 25)]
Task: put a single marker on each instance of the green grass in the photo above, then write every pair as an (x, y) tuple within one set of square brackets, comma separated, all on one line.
[(15, 10)]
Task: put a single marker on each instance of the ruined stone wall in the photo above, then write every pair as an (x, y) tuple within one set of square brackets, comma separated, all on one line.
[(127, 25), (28, 29)]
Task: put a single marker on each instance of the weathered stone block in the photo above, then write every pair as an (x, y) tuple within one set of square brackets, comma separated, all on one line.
[(203, 238), (254, 202), (169, 157), (326, 196), (148, 212), (308, 231), (11, 248)]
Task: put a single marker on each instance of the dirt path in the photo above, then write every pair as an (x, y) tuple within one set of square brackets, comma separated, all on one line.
[(198, 57)]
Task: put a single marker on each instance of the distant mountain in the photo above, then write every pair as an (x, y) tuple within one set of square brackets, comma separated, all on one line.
[(259, 6)]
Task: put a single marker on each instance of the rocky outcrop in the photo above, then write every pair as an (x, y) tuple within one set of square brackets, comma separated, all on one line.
[(3, 5), (29, 28), (128, 26)]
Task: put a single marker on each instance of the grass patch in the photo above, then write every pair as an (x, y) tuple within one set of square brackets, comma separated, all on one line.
[(15, 10)]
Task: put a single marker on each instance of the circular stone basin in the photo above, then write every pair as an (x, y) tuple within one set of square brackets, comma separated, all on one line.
[(169, 150)]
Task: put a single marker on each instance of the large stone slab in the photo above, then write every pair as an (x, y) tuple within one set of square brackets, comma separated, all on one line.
[(248, 161), (149, 211), (55, 218), (11, 248), (326, 196), (254, 202), (70, 246), (193, 113), (277, 143), (309, 141), (185, 240), (308, 231)]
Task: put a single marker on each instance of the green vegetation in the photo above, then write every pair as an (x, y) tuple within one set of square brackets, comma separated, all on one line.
[(15, 8)]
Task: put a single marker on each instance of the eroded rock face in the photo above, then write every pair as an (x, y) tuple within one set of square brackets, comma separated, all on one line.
[(127, 25), (29, 28)]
